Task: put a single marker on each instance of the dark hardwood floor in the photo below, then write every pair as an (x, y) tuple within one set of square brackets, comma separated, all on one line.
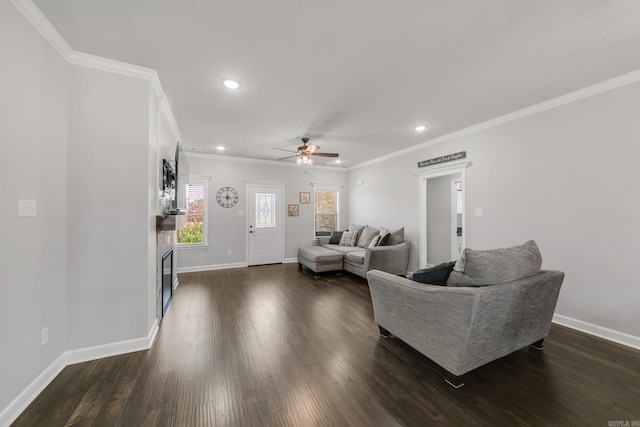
[(271, 346)]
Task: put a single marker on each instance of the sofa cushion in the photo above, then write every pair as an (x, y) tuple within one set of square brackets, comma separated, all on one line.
[(496, 266), (396, 237), (319, 254), (355, 257), (342, 249), (374, 241), (366, 235), (335, 237), (349, 238), (436, 275)]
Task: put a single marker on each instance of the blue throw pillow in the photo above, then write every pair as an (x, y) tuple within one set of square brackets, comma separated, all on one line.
[(437, 275)]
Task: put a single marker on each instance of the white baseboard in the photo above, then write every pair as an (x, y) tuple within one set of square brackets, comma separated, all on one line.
[(598, 331), (211, 267), (290, 260), (20, 403)]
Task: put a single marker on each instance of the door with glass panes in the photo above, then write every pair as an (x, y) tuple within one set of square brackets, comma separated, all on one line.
[(265, 219)]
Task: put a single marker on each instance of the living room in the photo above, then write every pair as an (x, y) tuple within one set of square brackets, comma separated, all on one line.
[(84, 137)]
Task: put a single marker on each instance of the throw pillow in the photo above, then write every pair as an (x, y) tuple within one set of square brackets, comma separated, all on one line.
[(335, 237), (495, 266), (436, 275), (397, 237), (384, 238), (374, 241), (366, 235), (357, 228), (349, 238)]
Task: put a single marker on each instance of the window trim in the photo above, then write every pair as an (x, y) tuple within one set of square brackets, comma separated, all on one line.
[(324, 187), (204, 181)]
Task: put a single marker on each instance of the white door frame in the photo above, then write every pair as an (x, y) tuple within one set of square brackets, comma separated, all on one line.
[(435, 172), (454, 218), (278, 185)]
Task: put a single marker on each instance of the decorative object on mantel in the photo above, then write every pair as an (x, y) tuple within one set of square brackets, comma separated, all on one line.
[(305, 197), (294, 210), (227, 197), (443, 159)]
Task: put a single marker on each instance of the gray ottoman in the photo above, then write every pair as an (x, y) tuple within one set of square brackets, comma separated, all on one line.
[(319, 259)]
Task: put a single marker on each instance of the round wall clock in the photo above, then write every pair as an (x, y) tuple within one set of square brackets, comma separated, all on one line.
[(227, 197)]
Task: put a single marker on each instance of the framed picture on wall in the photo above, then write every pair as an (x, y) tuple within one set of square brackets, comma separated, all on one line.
[(305, 197), (294, 210)]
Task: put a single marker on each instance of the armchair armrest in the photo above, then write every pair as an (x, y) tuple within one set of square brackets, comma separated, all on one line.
[(393, 259)]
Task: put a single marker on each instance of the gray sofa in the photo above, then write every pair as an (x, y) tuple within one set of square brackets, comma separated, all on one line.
[(461, 327), (392, 258)]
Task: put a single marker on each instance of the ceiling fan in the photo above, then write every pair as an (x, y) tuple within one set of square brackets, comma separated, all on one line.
[(305, 152)]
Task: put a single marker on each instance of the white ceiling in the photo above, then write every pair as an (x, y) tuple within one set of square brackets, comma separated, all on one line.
[(358, 74)]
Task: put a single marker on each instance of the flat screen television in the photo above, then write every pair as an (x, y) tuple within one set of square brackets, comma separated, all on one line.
[(181, 165)]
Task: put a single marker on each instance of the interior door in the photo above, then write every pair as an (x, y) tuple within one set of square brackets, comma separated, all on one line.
[(265, 218)]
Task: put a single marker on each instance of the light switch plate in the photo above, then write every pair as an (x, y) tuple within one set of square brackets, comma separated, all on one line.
[(26, 207), (479, 212)]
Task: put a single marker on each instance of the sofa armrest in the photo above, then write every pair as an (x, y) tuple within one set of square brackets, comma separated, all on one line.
[(393, 259)]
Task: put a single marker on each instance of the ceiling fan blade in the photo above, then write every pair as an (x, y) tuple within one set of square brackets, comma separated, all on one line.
[(325, 154), (282, 149), (288, 157)]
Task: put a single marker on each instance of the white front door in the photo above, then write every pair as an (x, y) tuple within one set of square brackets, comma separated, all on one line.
[(265, 218)]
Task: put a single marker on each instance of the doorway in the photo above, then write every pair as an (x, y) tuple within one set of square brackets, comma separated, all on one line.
[(454, 171), (265, 223)]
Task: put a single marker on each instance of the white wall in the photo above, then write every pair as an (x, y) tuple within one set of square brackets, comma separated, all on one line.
[(228, 230), (566, 177), (33, 113), (108, 215)]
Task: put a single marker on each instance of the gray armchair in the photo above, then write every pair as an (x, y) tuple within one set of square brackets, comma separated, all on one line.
[(462, 328)]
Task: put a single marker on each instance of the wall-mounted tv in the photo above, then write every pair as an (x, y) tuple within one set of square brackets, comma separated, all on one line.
[(179, 201)]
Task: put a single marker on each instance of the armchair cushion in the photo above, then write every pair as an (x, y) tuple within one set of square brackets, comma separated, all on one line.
[(496, 266)]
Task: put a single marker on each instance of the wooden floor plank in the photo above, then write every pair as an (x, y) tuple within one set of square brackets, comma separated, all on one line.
[(273, 346)]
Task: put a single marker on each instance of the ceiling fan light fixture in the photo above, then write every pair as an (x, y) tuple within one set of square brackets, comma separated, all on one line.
[(304, 160), (230, 84)]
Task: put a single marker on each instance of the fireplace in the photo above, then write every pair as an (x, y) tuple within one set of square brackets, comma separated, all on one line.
[(167, 279)]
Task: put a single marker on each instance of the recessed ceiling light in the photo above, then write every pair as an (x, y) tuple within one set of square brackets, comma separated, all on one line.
[(220, 147), (338, 161), (421, 128), (230, 84)]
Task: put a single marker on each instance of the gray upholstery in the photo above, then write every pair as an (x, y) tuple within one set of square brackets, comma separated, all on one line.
[(393, 258), (493, 266), (462, 328), (319, 259)]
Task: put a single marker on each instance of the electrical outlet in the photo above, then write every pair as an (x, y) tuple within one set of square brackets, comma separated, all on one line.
[(45, 335), (229, 252)]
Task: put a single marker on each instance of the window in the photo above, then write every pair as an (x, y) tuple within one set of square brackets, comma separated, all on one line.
[(326, 211), (194, 231), (265, 210)]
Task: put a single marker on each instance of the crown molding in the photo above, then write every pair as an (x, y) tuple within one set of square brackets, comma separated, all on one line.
[(50, 34), (44, 27), (260, 161), (607, 85)]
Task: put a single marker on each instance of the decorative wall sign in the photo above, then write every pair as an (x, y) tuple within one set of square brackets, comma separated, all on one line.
[(442, 159), (227, 197), (293, 210), (305, 198)]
